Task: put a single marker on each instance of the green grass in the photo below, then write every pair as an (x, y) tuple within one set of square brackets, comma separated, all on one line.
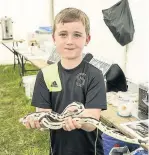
[(15, 139)]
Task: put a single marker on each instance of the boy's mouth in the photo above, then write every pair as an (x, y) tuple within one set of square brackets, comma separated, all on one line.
[(69, 48)]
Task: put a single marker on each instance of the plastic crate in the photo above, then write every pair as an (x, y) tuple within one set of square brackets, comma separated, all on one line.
[(28, 83)]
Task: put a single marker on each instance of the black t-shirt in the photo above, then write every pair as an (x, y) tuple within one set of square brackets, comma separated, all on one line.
[(84, 84)]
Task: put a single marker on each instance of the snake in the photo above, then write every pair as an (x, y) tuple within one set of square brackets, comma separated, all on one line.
[(55, 121)]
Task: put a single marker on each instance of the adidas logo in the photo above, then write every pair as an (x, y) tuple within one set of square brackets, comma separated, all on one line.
[(54, 84)]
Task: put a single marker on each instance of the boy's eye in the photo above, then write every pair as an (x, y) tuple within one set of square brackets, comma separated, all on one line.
[(77, 35), (63, 34)]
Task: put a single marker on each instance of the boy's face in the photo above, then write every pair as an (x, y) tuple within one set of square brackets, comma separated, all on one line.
[(70, 39)]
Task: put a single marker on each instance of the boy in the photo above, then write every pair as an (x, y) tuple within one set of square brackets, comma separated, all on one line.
[(79, 81)]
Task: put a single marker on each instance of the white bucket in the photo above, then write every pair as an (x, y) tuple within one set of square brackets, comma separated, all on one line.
[(28, 83)]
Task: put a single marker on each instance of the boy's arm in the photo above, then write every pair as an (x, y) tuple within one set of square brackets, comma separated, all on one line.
[(43, 110), (94, 113), (31, 123), (71, 124)]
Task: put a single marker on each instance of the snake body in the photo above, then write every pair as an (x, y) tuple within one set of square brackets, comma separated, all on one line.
[(55, 121)]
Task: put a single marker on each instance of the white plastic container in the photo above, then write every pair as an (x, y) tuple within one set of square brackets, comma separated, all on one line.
[(28, 83)]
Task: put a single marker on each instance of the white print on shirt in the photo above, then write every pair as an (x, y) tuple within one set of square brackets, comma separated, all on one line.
[(80, 79)]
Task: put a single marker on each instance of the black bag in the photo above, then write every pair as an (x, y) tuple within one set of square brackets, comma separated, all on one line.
[(115, 79), (119, 20)]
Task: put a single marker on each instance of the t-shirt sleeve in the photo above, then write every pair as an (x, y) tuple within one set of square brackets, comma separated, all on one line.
[(41, 94), (96, 92)]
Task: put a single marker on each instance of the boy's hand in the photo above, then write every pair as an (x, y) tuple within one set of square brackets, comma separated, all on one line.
[(30, 122), (71, 124)]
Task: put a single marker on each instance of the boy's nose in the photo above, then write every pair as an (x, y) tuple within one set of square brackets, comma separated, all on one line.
[(69, 40)]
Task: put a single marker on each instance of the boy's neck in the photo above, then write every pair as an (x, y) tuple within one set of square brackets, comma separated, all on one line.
[(70, 63)]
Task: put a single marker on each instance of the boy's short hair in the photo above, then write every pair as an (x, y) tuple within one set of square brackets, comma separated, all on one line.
[(69, 15)]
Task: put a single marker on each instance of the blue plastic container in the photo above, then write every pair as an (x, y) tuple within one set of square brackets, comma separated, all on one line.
[(109, 143)]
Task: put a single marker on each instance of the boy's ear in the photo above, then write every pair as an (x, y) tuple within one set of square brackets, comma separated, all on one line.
[(88, 40), (53, 37)]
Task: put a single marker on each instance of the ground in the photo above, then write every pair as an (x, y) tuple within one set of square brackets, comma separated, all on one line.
[(15, 139)]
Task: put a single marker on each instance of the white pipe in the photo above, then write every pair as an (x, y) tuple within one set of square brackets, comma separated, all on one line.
[(51, 12), (125, 58)]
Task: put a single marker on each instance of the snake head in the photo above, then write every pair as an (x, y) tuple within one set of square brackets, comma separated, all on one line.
[(73, 109)]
